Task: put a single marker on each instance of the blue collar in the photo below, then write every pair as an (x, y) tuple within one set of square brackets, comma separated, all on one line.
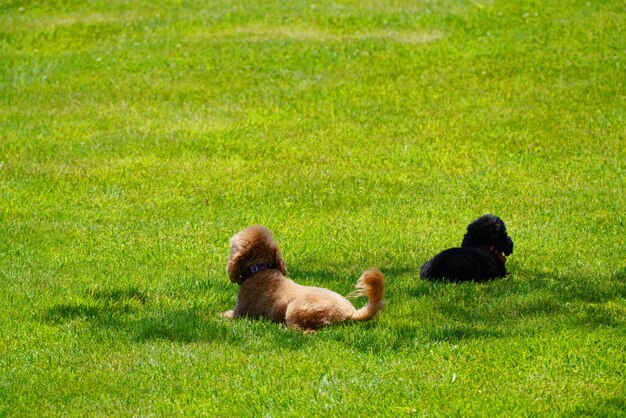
[(252, 270)]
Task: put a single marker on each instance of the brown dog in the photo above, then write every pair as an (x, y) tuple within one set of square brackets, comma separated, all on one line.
[(256, 265)]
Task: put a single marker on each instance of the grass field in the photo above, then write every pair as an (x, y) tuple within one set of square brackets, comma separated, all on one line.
[(137, 137)]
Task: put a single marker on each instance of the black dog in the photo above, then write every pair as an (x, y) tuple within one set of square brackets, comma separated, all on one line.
[(481, 257)]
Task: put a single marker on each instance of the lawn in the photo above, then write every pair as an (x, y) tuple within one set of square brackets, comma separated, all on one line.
[(137, 137)]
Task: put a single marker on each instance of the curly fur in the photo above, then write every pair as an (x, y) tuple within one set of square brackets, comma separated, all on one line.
[(482, 255), (270, 294)]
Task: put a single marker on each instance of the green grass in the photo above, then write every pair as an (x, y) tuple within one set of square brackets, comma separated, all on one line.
[(137, 137)]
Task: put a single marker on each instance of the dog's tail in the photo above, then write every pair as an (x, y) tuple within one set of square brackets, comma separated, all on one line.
[(370, 284)]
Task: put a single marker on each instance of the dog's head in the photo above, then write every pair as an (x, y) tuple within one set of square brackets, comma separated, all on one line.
[(488, 230), (253, 245)]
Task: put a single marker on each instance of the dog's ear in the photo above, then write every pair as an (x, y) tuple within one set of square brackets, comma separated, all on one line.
[(234, 266), (237, 258), (507, 246), (278, 262)]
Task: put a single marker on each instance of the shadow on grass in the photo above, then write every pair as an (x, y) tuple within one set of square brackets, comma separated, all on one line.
[(135, 314), (512, 307), (611, 407), (193, 325), (100, 305), (453, 313), (455, 333), (448, 313)]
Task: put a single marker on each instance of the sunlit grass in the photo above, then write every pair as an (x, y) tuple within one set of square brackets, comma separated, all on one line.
[(137, 137)]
